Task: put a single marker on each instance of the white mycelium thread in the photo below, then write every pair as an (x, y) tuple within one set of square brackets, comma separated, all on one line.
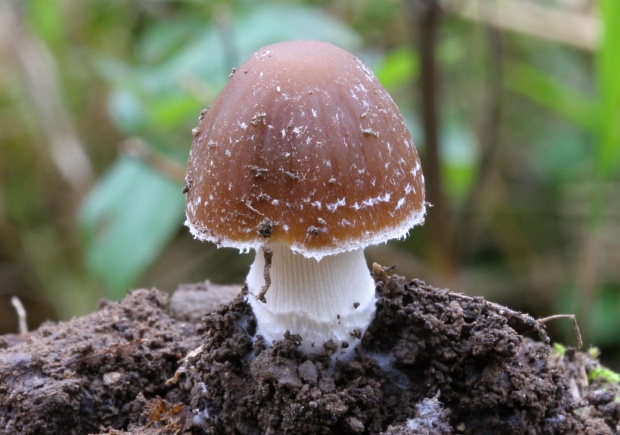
[(320, 300)]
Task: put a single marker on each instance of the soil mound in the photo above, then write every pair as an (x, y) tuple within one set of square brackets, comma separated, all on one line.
[(432, 362)]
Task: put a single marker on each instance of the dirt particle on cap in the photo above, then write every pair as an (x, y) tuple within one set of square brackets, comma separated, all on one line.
[(263, 197), (321, 221), (291, 175), (265, 228), (259, 118), (258, 171), (232, 73), (356, 304), (370, 132), (202, 114), (314, 231), (332, 180), (188, 185), (195, 131), (364, 115)]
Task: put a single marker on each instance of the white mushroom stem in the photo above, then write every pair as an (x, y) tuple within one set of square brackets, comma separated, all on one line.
[(333, 298)]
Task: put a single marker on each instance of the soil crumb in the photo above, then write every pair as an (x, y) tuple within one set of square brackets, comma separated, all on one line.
[(431, 362)]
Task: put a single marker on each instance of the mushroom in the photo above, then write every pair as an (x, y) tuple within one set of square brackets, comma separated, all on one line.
[(305, 158)]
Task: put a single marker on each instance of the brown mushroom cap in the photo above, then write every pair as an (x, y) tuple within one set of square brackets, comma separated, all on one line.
[(304, 147)]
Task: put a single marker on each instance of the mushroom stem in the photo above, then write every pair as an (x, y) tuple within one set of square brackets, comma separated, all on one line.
[(333, 298)]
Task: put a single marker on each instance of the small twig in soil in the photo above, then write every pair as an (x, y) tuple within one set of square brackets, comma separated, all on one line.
[(21, 315), (381, 272), (184, 363), (268, 253), (566, 316)]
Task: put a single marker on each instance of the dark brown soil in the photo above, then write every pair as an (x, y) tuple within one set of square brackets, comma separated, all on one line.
[(432, 362), (99, 370)]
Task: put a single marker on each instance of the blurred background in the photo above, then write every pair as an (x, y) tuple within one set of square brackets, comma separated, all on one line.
[(514, 106)]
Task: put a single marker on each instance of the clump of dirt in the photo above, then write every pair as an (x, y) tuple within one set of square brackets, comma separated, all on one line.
[(431, 362), (96, 371), (596, 388)]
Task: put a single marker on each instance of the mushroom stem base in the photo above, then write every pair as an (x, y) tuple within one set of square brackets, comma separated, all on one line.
[(333, 298)]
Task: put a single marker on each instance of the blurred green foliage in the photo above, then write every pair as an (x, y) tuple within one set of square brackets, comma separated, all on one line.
[(98, 99), (597, 113), (126, 221)]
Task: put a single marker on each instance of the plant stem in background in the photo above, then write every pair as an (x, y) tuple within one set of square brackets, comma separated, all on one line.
[(40, 75), (532, 18), (489, 138), (426, 15)]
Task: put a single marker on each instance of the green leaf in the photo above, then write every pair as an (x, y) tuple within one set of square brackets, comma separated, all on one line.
[(126, 220), (564, 155), (608, 61), (164, 38), (271, 23), (45, 17), (559, 348), (127, 111), (173, 110), (608, 75), (459, 156), (552, 94), (603, 374), (399, 67)]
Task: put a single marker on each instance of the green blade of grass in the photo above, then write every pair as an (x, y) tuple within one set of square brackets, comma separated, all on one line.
[(552, 94), (608, 76)]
